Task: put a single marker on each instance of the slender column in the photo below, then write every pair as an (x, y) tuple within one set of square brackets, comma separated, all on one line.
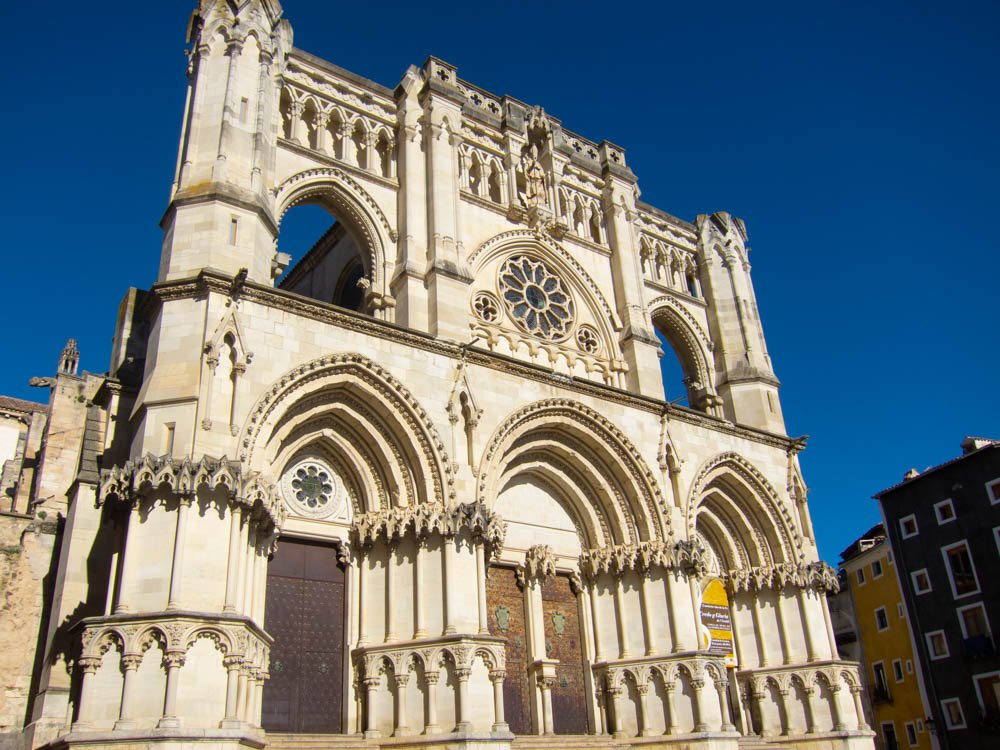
[(173, 663), (696, 630), (232, 665), (499, 721), (675, 642), (698, 708), (419, 625), (463, 725), (432, 709), (598, 649), (90, 665), (128, 553), (757, 702), (859, 707), (258, 698), (251, 565), (233, 565), (623, 651), (250, 694), (762, 647), (616, 711), (390, 590), (296, 130), (371, 726), (446, 566), (241, 693), (838, 719), (722, 690), (177, 569), (243, 564), (783, 629), (234, 49), (803, 596), (322, 120), (647, 731), (362, 599), (546, 684), (785, 728), (738, 643), (810, 710), (401, 730), (130, 663), (747, 717), (831, 636), (649, 634), (484, 628), (669, 688)]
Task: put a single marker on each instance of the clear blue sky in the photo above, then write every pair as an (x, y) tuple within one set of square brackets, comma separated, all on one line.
[(859, 141)]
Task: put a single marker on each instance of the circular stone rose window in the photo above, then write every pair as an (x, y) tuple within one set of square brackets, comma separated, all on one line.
[(536, 298), (311, 488)]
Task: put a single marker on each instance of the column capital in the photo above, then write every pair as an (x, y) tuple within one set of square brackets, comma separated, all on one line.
[(175, 659), (89, 664), (131, 662), (432, 678), (497, 675), (463, 674), (372, 682)]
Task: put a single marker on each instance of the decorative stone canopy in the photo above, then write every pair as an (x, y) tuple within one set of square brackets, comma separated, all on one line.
[(686, 556), (816, 575), (422, 520)]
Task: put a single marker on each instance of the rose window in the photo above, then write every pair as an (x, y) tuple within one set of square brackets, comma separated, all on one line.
[(536, 298), (587, 340), (486, 307), (311, 488)]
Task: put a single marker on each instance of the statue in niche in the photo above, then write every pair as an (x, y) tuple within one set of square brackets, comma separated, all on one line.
[(534, 193)]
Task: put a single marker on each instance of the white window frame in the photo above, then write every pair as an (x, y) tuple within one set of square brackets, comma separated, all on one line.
[(993, 491), (897, 670), (887, 623), (909, 670), (975, 683), (947, 716), (911, 734), (916, 589), (961, 620), (881, 569), (902, 526), (947, 566), (996, 535), (930, 646), (860, 576), (937, 512)]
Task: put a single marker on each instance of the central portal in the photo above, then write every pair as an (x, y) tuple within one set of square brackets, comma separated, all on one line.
[(304, 614)]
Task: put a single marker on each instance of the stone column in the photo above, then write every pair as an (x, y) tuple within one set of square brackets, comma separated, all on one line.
[(390, 591), (251, 565), (233, 565), (322, 120), (675, 642), (668, 688), (859, 707), (803, 596), (757, 702), (419, 625), (546, 684), (649, 634), (232, 665), (698, 707), (371, 726), (130, 663), (177, 567), (499, 721), (835, 709), (296, 115), (89, 665), (616, 712), (695, 612), (598, 649), (431, 727), (258, 699), (762, 647), (722, 690), (647, 731), (362, 600), (785, 728), (128, 555), (484, 628), (623, 650), (830, 635), (463, 725), (401, 729), (786, 651), (446, 574), (810, 710), (172, 662)]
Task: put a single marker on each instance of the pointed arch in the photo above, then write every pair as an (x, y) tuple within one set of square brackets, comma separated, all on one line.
[(688, 339), (614, 493), (364, 413)]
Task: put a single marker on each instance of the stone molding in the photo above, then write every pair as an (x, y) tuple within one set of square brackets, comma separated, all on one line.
[(815, 575), (394, 524), (687, 557), (612, 674), (833, 671), (134, 479), (460, 650)]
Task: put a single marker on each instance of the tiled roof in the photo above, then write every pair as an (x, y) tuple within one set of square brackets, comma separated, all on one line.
[(19, 404)]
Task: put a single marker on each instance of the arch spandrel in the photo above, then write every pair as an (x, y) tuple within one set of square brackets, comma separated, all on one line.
[(350, 393), (731, 490), (599, 453)]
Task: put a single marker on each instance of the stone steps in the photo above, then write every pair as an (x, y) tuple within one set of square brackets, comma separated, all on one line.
[(297, 741)]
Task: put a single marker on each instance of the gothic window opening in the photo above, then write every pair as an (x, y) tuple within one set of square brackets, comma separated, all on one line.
[(310, 120), (359, 139), (383, 147), (285, 108), (335, 134), (476, 175), (495, 185), (536, 298)]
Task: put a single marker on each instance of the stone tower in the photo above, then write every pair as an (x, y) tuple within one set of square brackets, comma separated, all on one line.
[(421, 482)]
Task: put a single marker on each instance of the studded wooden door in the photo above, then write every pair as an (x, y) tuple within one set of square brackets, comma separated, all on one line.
[(563, 642), (505, 602), (305, 615)]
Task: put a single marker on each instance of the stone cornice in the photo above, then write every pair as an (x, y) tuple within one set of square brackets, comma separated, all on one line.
[(815, 575), (688, 557), (421, 521)]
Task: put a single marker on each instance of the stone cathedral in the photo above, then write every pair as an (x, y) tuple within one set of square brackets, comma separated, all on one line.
[(419, 486)]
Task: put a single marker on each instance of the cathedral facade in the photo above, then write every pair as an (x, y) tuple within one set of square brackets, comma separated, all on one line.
[(421, 486)]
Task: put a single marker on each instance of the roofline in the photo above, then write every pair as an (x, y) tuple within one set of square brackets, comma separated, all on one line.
[(921, 475)]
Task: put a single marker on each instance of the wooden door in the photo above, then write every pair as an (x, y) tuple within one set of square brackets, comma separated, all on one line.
[(305, 615), (505, 604), (563, 642)]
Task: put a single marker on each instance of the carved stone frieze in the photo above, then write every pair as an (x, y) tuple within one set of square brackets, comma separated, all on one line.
[(420, 521), (815, 575), (539, 562), (689, 557)]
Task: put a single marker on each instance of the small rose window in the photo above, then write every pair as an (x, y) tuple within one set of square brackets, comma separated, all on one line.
[(311, 488), (536, 298)]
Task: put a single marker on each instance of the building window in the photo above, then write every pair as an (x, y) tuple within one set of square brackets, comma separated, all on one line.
[(889, 735), (861, 576), (988, 692), (897, 669), (976, 631), (993, 491), (909, 670), (880, 685), (920, 725), (911, 734), (233, 226), (900, 611), (953, 715), (921, 581), (908, 526), (876, 569), (944, 511), (937, 644), (961, 572), (881, 619)]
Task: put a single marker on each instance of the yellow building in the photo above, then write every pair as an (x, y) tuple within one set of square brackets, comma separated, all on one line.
[(893, 682)]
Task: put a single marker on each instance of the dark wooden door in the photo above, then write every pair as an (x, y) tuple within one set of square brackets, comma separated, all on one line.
[(305, 615), (505, 603), (563, 642)]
